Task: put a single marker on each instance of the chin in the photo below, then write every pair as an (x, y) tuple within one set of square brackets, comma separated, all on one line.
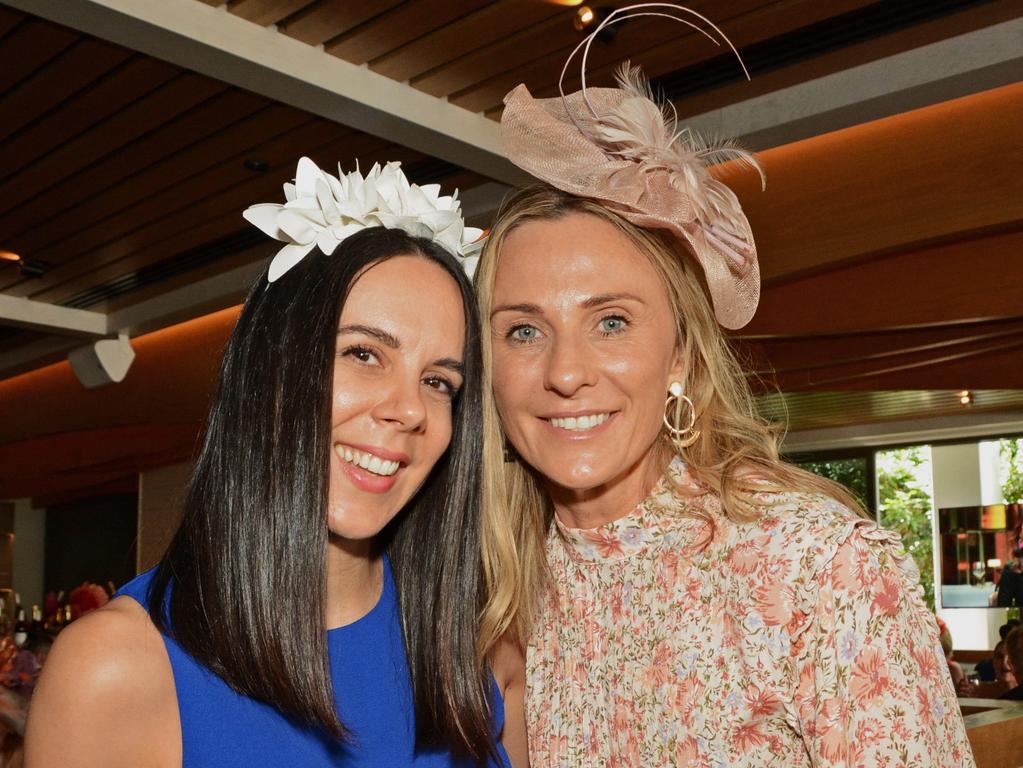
[(581, 475), (356, 527)]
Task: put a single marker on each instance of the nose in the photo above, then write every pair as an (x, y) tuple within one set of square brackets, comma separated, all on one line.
[(569, 367), (402, 406)]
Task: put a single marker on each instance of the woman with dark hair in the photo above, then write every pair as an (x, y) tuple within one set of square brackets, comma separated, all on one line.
[(319, 603)]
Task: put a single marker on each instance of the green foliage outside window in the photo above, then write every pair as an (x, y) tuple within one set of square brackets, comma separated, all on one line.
[(904, 505), (1011, 453), (852, 473)]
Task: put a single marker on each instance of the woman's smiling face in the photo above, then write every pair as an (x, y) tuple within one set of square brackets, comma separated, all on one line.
[(583, 350), (397, 368)]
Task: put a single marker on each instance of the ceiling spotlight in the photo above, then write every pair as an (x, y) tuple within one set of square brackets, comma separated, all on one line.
[(966, 397), (584, 17), (256, 166), (587, 18), (9, 256)]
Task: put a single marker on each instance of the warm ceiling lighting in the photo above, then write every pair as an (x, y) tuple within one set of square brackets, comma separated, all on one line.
[(583, 17), (566, 3), (966, 397), (9, 256)]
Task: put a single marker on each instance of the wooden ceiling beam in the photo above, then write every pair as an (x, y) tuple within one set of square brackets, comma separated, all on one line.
[(174, 184), (47, 89), (266, 12), (214, 124), (398, 27), (328, 19), (184, 229), (217, 43), (643, 35), (126, 85), (745, 24), (109, 136), (29, 47), (474, 32)]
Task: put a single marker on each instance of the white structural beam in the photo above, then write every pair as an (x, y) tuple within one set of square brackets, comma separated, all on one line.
[(965, 427), (187, 302), (21, 312), (67, 325), (948, 69), (216, 43)]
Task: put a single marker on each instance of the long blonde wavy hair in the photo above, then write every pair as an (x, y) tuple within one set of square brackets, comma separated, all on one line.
[(735, 456)]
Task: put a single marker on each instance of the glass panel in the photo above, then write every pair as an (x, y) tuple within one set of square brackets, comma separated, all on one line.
[(905, 504)]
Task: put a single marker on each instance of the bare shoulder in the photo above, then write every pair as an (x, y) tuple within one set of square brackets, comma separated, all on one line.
[(508, 662), (107, 688)]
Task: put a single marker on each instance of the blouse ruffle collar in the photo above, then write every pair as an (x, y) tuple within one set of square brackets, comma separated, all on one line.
[(659, 519)]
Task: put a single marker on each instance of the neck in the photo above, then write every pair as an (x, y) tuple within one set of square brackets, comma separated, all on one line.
[(597, 506), (355, 579)]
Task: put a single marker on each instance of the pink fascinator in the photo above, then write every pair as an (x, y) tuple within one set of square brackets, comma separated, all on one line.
[(619, 147)]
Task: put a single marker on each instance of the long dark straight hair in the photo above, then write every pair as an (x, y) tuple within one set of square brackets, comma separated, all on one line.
[(242, 585)]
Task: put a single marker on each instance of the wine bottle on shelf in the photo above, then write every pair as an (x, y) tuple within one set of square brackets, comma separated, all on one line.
[(36, 627), (20, 629)]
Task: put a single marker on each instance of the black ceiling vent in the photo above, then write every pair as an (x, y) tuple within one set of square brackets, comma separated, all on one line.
[(205, 254), (872, 21)]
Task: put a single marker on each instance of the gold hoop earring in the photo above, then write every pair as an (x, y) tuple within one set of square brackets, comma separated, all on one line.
[(681, 437)]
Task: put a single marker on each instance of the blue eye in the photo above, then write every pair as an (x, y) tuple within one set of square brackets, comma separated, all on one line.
[(525, 333), (612, 324)]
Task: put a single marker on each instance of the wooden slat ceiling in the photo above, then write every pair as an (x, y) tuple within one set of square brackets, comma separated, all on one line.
[(112, 162), (473, 53)]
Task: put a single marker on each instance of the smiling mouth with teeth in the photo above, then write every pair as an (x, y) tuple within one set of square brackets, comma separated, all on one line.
[(367, 461), (580, 423)]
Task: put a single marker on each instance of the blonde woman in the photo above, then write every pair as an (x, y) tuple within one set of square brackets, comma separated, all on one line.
[(686, 597)]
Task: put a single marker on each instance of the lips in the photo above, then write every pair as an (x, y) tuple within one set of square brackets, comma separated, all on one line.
[(369, 461), (579, 423)]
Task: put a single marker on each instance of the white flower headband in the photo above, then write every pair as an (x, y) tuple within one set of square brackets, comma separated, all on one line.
[(322, 210)]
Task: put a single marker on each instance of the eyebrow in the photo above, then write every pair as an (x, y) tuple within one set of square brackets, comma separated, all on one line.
[(529, 309), (590, 303), (457, 366), (608, 298), (368, 330)]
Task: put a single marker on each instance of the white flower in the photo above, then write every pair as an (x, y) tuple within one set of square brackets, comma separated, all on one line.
[(322, 210)]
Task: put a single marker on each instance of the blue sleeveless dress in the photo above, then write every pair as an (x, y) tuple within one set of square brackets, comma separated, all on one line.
[(372, 691)]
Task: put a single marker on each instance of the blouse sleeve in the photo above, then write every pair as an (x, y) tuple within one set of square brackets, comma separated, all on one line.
[(872, 685)]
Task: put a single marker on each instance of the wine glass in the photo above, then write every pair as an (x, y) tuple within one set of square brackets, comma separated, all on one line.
[(979, 570)]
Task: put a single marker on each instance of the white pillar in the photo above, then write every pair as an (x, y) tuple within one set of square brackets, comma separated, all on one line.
[(959, 481)]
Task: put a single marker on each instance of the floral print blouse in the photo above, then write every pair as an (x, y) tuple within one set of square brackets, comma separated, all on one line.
[(798, 639)]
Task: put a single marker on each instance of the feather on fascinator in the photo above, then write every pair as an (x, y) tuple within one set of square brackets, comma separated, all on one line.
[(619, 147)]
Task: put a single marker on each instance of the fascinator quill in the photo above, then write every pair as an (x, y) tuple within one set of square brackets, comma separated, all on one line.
[(619, 147)]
